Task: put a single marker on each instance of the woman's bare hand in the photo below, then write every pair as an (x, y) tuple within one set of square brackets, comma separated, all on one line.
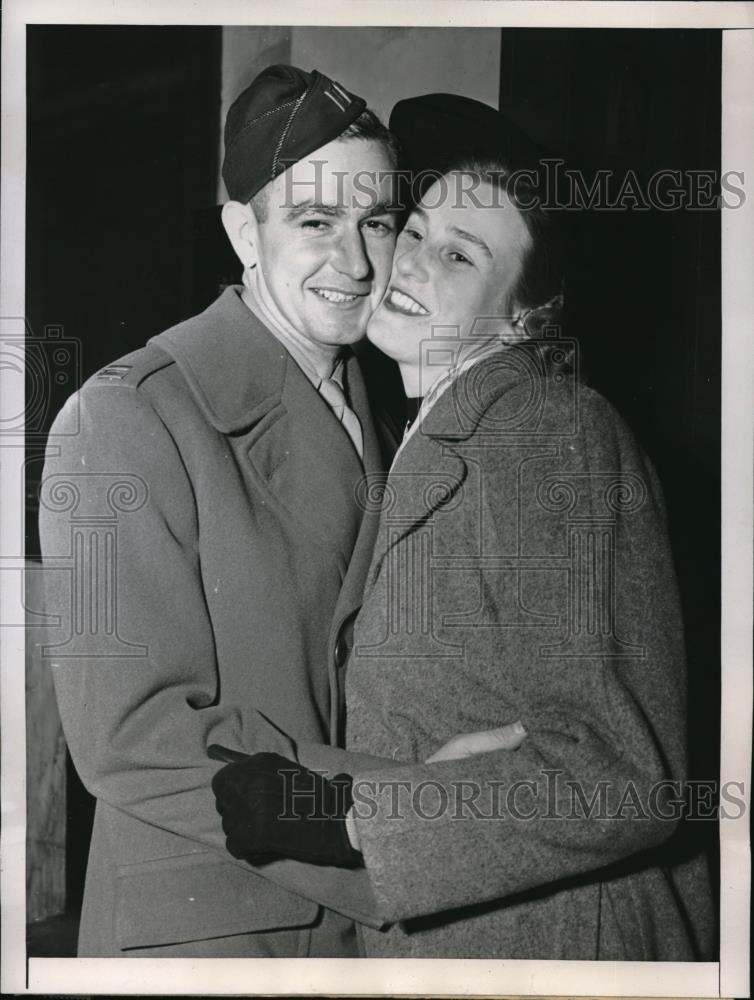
[(467, 744)]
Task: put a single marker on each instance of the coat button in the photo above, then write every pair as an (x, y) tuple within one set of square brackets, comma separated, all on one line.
[(341, 652)]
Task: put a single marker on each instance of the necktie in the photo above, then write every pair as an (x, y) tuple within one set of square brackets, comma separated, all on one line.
[(332, 392), (413, 405)]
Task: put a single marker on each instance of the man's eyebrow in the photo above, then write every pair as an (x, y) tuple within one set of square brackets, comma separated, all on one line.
[(471, 238), (381, 208), (296, 211)]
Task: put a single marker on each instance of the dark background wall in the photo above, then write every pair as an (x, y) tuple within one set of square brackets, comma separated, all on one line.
[(643, 287), (123, 240), (122, 140)]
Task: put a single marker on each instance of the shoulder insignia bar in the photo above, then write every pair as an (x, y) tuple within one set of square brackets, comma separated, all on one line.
[(114, 373)]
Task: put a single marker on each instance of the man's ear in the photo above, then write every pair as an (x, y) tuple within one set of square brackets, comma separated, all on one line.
[(241, 226)]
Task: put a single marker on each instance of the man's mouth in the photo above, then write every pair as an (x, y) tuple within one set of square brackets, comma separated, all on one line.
[(337, 298), (403, 303)]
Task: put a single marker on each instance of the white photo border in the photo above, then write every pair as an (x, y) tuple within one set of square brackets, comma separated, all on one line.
[(374, 977)]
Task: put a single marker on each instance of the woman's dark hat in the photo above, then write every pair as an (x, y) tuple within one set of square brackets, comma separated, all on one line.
[(282, 116), (437, 130)]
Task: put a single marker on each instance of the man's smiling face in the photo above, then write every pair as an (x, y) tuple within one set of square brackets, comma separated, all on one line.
[(455, 260), (325, 243)]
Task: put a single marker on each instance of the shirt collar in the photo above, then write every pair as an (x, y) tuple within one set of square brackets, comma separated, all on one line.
[(276, 325)]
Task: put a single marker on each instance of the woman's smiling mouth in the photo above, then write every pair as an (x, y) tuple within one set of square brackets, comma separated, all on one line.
[(401, 302)]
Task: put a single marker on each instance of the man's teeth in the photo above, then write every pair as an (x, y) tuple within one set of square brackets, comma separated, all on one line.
[(331, 296), (406, 303)]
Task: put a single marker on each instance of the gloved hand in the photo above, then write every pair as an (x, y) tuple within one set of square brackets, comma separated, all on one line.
[(273, 807)]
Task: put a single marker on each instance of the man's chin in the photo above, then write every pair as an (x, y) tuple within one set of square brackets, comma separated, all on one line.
[(341, 336)]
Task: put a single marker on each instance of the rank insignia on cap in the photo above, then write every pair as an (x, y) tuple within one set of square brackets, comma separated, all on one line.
[(340, 97)]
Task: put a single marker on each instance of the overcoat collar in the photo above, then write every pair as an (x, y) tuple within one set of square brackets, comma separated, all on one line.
[(249, 388), (233, 365), (463, 409), (429, 471)]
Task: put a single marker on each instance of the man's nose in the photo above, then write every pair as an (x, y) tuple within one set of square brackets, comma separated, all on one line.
[(412, 263), (350, 257)]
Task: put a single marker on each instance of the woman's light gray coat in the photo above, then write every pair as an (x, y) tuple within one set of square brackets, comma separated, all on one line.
[(522, 571)]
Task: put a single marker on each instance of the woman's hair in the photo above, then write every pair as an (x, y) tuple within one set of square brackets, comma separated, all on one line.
[(540, 284)]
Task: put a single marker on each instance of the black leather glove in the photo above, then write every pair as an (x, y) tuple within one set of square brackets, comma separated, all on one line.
[(274, 808)]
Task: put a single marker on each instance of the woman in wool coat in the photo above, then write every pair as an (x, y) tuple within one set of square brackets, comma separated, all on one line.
[(521, 577)]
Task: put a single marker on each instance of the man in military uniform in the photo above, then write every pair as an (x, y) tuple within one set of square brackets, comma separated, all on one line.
[(240, 438)]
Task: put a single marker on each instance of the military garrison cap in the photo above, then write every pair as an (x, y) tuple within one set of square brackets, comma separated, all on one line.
[(282, 116)]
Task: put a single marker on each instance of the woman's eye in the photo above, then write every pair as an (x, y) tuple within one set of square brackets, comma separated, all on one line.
[(412, 234), (314, 224), (458, 258)]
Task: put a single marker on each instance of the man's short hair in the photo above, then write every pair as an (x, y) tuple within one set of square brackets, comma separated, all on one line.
[(367, 127)]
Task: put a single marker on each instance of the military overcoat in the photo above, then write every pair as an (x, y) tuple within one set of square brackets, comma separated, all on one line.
[(204, 548)]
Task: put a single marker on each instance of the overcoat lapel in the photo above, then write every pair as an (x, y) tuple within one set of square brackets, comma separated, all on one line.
[(281, 431), (429, 471), (353, 584), (352, 590), (313, 466), (427, 477)]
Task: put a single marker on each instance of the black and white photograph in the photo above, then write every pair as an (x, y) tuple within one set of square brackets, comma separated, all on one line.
[(376, 448)]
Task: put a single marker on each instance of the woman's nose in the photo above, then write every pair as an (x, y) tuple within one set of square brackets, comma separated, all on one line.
[(412, 263)]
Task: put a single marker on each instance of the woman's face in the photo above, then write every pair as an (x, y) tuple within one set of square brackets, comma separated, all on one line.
[(458, 258)]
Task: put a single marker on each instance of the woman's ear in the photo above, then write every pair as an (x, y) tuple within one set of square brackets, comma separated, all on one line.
[(240, 224), (535, 322), (513, 328)]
